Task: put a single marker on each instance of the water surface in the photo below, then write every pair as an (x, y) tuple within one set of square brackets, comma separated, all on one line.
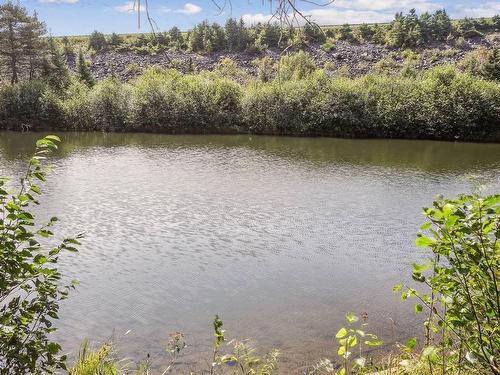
[(280, 236)]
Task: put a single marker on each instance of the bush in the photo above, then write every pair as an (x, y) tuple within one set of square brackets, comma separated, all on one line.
[(109, 104), (169, 101), (97, 41), (29, 105), (266, 68), (295, 66), (462, 277), (280, 107), (30, 282)]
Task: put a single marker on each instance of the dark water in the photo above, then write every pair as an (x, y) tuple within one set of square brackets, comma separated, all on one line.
[(280, 236)]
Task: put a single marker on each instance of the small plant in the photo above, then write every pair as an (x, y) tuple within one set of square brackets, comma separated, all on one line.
[(94, 362), (30, 282), (462, 277), (329, 45), (352, 338), (175, 346)]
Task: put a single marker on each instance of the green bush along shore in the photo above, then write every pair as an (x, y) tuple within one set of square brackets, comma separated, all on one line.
[(442, 103)]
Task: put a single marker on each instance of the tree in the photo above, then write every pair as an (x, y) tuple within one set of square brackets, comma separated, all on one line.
[(405, 31), (83, 69), (313, 33), (54, 69), (236, 35), (97, 41), (491, 68), (115, 40), (30, 282), (365, 33), (440, 24), (176, 38), (34, 45), (20, 40), (345, 33)]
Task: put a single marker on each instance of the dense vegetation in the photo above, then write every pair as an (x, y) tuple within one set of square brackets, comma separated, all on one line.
[(290, 97), (410, 30), (302, 100)]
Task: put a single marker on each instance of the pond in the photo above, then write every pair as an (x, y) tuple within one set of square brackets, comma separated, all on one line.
[(279, 236)]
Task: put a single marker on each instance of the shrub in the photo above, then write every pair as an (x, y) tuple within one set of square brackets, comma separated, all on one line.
[(463, 301), (228, 68), (29, 105), (30, 282), (266, 68), (108, 106), (165, 99), (329, 45), (296, 66), (97, 41), (115, 40), (280, 107), (345, 33)]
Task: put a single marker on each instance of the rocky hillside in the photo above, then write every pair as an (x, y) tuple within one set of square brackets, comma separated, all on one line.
[(354, 59)]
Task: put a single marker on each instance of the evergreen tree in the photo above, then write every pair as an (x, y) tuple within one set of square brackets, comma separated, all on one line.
[(176, 38), (236, 35), (69, 52), (440, 24), (491, 68), (313, 33), (83, 69), (34, 45), (54, 69), (20, 40), (365, 33), (97, 41), (115, 40), (345, 33)]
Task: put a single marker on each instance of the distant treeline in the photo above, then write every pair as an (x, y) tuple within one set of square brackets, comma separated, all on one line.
[(440, 104), (405, 31)]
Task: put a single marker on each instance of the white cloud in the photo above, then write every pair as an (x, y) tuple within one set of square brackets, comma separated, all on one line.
[(189, 9), (329, 16), (128, 7), (58, 1), (252, 19), (356, 11), (386, 5), (487, 9)]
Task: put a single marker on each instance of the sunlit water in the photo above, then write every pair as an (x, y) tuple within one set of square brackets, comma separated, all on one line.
[(279, 236)]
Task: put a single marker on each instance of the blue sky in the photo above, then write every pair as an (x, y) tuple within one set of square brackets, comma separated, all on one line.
[(76, 17)]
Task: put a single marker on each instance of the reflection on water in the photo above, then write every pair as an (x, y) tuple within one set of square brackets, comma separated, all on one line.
[(280, 236)]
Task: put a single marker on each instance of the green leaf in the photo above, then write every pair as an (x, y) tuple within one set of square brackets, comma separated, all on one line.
[(426, 226), (430, 353), (53, 348), (418, 308), (375, 342), (341, 333), (53, 138), (422, 241), (352, 341), (396, 288), (419, 268), (411, 343), (351, 318)]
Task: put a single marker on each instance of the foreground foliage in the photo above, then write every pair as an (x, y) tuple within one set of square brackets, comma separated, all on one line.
[(31, 285), (463, 297)]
